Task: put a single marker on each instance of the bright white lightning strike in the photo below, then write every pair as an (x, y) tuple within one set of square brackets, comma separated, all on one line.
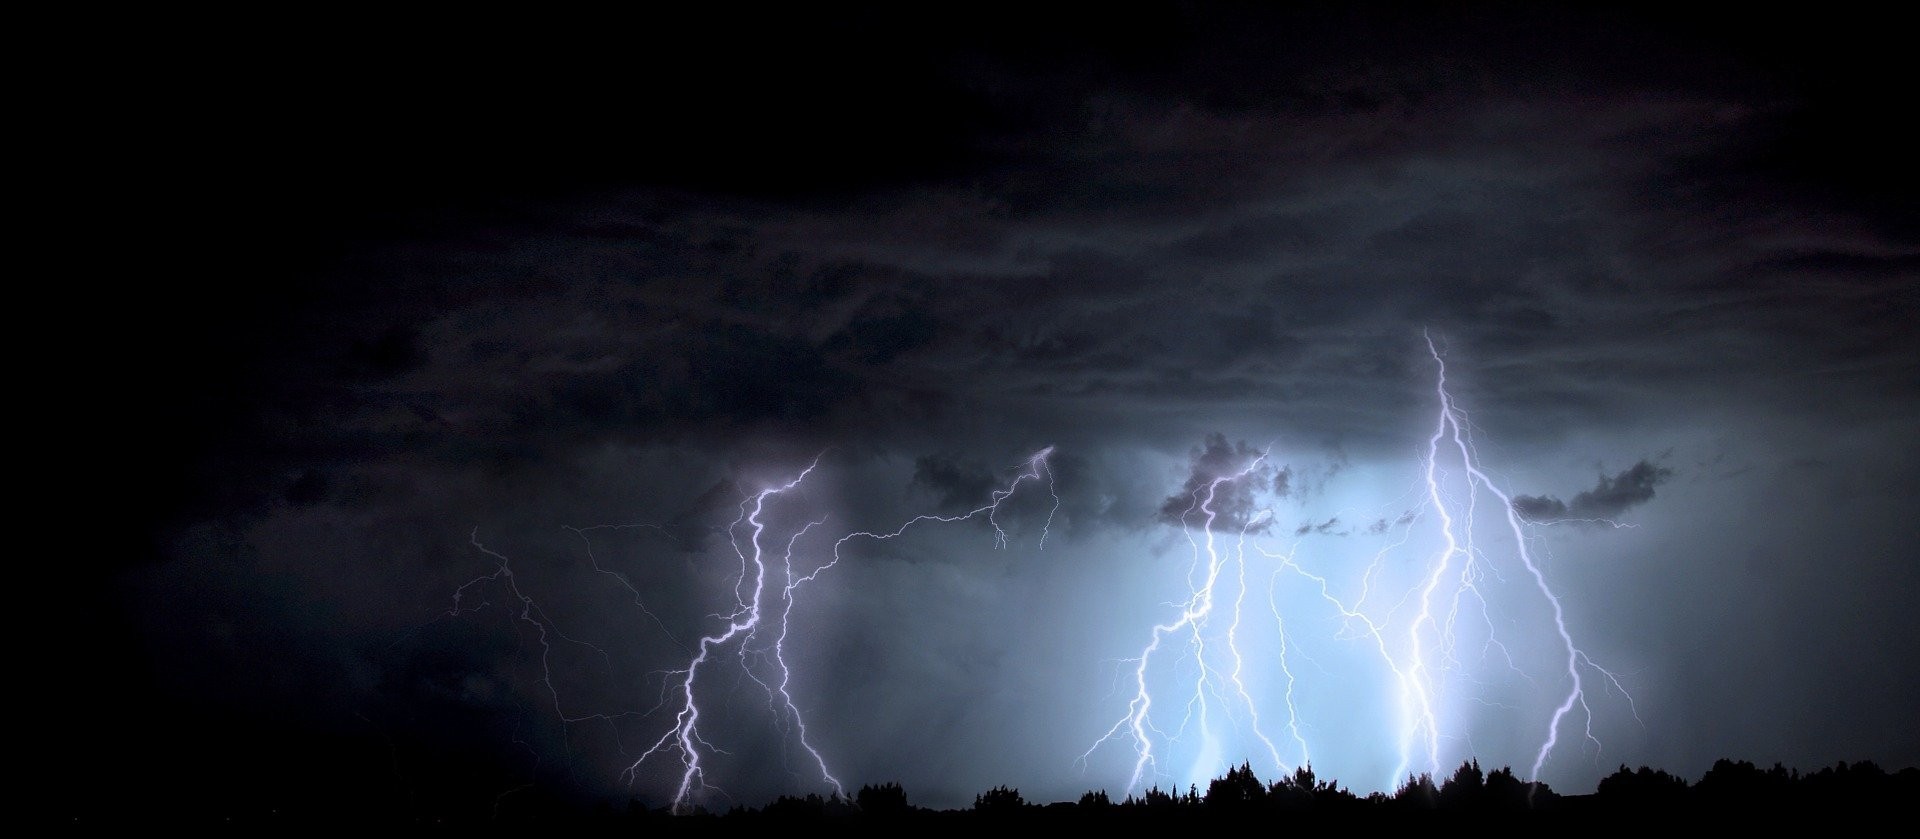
[(684, 736), (1192, 623), (1210, 688), (1188, 682), (1450, 418), (765, 593)]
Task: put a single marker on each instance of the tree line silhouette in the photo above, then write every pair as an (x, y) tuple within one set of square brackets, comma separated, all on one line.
[(1729, 788), (1731, 791)]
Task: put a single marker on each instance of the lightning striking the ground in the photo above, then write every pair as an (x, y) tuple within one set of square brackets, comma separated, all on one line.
[(1430, 623), (1452, 622), (1190, 627), (756, 628)]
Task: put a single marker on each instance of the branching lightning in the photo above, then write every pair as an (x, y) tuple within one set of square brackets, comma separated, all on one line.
[(1452, 423), (1191, 626), (1446, 623), (757, 627), (1412, 621), (743, 623)]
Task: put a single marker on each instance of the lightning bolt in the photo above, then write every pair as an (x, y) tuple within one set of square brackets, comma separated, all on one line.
[(1415, 636), (1452, 423), (756, 629), (684, 736), (1191, 623), (746, 621), (1412, 619)]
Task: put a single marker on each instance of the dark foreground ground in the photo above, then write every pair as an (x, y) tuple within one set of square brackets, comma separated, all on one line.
[(1732, 793)]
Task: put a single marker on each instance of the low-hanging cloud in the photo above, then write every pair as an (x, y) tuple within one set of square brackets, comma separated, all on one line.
[(1610, 497), (1233, 503), (958, 486)]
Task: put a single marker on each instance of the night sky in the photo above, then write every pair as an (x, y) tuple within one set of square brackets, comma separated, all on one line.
[(389, 303)]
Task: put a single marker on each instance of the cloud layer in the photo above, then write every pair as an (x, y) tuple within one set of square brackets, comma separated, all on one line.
[(616, 289)]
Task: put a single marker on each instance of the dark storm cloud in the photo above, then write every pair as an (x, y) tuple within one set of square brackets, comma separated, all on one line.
[(746, 375), (695, 527), (1070, 308), (1384, 525), (1539, 507), (1232, 501), (1612, 496), (1324, 528), (957, 487), (879, 340), (478, 294), (310, 488), (393, 351)]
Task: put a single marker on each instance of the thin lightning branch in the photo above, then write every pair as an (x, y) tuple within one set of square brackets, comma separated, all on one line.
[(531, 614), (1239, 661), (744, 624), (765, 582), (1574, 655), (1193, 620), (624, 582), (1418, 633), (1596, 522), (684, 737), (1418, 619)]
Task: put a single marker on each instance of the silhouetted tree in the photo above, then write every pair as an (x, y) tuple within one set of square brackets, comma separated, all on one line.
[(887, 799), (1417, 793), (1740, 784), (1466, 790), (1844, 785), (1095, 800), (1238, 791), (999, 800), (1503, 791), (1155, 799), (1302, 790), (1644, 788), (789, 807)]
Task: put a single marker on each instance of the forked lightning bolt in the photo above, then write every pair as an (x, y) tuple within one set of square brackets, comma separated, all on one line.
[(1198, 691), (1451, 424), (744, 623), (1412, 631), (1192, 626), (764, 595)]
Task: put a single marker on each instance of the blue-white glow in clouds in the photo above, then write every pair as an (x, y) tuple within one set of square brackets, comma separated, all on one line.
[(1442, 640), (1374, 621)]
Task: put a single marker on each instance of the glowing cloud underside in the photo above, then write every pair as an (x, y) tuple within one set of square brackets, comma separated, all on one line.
[(1428, 627), (755, 628), (1270, 650)]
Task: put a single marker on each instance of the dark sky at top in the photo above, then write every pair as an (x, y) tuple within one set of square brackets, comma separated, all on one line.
[(380, 289)]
